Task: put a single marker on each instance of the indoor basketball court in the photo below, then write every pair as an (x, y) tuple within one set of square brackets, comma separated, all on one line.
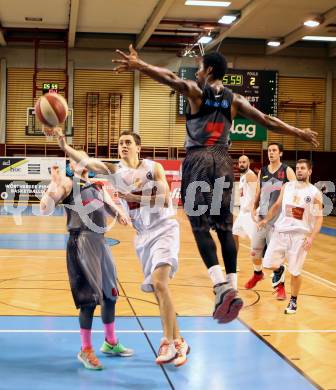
[(281, 57)]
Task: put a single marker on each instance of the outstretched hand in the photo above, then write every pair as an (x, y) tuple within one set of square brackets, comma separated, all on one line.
[(310, 136), (55, 173), (48, 131), (128, 61)]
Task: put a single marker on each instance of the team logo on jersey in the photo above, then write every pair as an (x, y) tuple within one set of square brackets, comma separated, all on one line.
[(212, 103), (225, 103), (281, 175), (149, 176), (307, 199)]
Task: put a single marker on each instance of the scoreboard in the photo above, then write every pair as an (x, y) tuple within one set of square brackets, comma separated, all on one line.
[(49, 87), (259, 87)]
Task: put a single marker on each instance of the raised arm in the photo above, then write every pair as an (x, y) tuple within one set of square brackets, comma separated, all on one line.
[(92, 164), (242, 107), (131, 61), (59, 187)]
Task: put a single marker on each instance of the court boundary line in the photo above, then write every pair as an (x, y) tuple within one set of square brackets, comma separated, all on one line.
[(281, 355), (146, 336), (307, 331)]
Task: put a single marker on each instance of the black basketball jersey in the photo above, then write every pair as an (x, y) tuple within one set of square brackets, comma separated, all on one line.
[(211, 124), (81, 196), (270, 187)]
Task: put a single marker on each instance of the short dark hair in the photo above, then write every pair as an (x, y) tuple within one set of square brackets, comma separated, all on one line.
[(278, 144), (218, 63), (136, 136), (305, 161)]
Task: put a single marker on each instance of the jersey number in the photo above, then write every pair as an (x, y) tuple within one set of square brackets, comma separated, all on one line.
[(216, 130)]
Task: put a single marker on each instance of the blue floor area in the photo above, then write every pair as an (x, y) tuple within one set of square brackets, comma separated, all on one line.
[(28, 210), (329, 231), (39, 241), (42, 353)]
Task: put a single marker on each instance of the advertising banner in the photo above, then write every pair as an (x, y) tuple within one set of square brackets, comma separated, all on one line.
[(28, 168), (24, 179)]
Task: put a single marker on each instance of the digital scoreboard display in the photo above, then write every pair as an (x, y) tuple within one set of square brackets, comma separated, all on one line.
[(259, 87), (49, 87)]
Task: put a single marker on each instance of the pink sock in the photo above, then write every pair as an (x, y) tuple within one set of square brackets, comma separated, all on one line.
[(110, 336), (86, 338)]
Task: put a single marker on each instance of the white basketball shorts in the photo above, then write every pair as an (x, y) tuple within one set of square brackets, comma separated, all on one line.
[(157, 246), (286, 246)]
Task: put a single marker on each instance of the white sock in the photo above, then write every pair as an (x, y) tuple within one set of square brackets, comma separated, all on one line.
[(257, 268), (232, 280), (216, 274)]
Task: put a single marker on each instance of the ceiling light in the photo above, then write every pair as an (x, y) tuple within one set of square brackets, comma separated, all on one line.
[(319, 38), (274, 43), (205, 40), (208, 3), (312, 23), (227, 19)]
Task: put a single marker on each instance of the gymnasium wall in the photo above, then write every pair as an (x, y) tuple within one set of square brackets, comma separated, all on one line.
[(103, 82), (302, 79), (20, 97), (333, 120), (305, 90)]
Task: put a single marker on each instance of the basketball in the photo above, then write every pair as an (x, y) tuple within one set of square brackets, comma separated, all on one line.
[(51, 109)]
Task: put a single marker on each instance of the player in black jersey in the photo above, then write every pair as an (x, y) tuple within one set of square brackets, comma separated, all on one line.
[(91, 268), (271, 178), (207, 172)]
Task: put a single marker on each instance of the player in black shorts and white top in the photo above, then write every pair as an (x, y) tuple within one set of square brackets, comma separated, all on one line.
[(207, 172), (299, 222), (271, 178)]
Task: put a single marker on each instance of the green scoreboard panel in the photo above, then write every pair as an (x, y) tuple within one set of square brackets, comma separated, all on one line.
[(259, 87)]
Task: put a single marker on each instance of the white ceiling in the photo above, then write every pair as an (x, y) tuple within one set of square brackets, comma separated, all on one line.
[(55, 13), (123, 16), (272, 19), (281, 17)]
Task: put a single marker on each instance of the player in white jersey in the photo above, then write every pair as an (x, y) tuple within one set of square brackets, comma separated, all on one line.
[(143, 185), (296, 228), (244, 226)]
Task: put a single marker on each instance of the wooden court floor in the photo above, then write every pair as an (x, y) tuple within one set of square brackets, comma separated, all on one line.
[(34, 282)]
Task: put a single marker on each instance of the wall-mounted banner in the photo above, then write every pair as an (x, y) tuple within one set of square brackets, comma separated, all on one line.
[(29, 168), (245, 130), (20, 191)]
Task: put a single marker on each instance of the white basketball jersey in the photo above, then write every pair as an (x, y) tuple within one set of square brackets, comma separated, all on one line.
[(297, 213), (247, 193), (140, 181)]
